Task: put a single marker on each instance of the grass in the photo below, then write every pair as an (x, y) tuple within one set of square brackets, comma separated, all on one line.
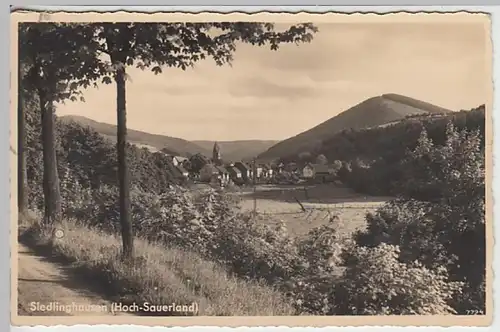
[(158, 275), (275, 204)]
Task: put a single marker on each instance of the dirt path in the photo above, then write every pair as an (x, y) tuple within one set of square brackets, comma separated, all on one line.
[(45, 283)]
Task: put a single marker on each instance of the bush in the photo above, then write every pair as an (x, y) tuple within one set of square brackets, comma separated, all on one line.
[(439, 219), (375, 282)]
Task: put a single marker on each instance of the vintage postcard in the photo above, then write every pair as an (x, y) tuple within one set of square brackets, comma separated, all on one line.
[(271, 169)]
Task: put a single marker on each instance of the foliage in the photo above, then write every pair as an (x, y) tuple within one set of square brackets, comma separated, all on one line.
[(321, 159), (305, 157), (439, 219), (88, 161), (58, 59), (286, 177), (375, 282), (196, 162), (55, 61), (181, 44)]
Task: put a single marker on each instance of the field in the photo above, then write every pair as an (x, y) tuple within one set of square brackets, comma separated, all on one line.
[(304, 207)]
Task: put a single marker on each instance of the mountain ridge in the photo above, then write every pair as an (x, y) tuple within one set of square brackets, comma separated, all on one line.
[(175, 145), (231, 150), (374, 111)]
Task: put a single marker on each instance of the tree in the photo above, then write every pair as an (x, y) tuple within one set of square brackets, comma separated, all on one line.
[(197, 162), (336, 166), (181, 45), (57, 64), (321, 159), (305, 157), (376, 282), (439, 219), (22, 177)]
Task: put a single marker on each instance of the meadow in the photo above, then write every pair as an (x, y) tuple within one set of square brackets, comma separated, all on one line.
[(321, 202)]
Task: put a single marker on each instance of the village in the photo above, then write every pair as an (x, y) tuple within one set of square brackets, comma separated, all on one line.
[(215, 170)]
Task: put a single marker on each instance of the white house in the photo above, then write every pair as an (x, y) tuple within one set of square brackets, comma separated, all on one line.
[(178, 160), (308, 171), (258, 171), (223, 174)]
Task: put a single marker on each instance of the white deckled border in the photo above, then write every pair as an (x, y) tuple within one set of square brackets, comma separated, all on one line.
[(495, 36)]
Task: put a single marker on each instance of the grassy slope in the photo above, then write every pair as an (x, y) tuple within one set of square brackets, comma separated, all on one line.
[(159, 275), (175, 145), (369, 113)]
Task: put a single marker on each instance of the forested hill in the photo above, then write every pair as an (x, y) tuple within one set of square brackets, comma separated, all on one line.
[(372, 112), (374, 158), (90, 158), (174, 145)]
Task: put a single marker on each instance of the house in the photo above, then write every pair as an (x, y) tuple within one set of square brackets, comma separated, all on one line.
[(244, 169), (186, 164), (277, 168), (250, 170), (322, 173), (280, 167), (316, 171), (234, 174), (177, 160), (258, 171), (223, 174), (308, 171), (267, 171), (182, 170), (321, 170)]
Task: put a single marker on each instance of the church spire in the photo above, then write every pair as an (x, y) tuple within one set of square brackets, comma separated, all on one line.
[(216, 155)]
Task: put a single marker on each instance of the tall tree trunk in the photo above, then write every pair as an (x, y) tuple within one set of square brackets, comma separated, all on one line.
[(51, 190), (123, 172), (22, 185)]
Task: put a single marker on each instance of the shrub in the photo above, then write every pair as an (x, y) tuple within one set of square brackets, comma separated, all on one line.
[(320, 253), (375, 282), (439, 219)]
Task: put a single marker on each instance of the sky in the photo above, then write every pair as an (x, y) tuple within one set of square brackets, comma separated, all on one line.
[(278, 94)]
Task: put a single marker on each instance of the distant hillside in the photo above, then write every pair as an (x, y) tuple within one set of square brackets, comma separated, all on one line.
[(238, 150), (372, 112), (384, 148), (154, 142)]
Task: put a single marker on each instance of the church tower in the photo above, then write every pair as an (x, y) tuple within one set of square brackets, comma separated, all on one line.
[(216, 156)]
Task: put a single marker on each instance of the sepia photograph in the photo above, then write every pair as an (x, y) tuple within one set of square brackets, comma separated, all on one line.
[(316, 169)]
